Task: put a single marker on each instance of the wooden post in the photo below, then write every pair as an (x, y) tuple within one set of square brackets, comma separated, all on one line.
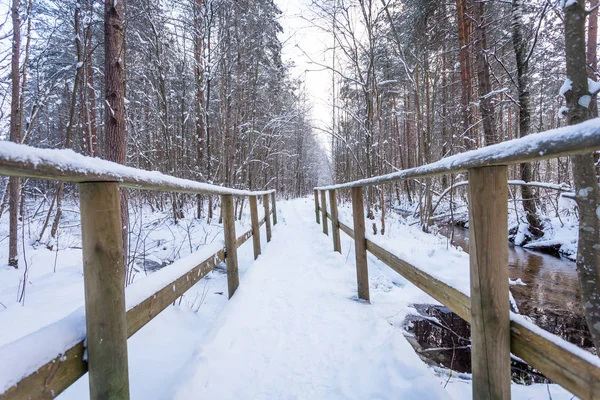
[(324, 213), (255, 226), (488, 255), (360, 243), (104, 282), (227, 211), (318, 217), (335, 226), (274, 209), (267, 216)]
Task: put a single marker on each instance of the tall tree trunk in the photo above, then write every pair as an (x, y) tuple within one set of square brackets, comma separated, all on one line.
[(584, 177), (592, 44), (464, 30), (520, 48), (115, 140), (486, 107), (91, 131), (15, 135)]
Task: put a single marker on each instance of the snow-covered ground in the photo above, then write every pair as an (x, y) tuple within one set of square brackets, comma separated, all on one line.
[(294, 329)]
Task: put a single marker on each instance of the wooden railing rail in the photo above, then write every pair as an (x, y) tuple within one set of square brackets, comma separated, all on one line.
[(561, 142), (109, 322), (495, 332)]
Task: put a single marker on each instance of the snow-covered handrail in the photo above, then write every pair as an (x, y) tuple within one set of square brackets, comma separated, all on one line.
[(67, 165), (560, 142)]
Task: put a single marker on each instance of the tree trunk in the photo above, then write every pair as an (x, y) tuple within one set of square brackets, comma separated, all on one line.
[(465, 69), (520, 48), (584, 178), (115, 140), (15, 135), (486, 107), (592, 44)]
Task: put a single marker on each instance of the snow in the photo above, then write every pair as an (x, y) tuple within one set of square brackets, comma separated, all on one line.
[(568, 3), (144, 288), (555, 142), (67, 163), (566, 86), (22, 357), (593, 86), (584, 101), (516, 282)]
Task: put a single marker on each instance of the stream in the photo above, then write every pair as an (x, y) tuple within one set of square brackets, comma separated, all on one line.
[(550, 297)]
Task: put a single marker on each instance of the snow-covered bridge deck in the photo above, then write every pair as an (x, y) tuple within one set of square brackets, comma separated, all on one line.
[(294, 329)]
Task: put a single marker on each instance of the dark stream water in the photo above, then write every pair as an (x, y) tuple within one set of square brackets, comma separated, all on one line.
[(550, 297)]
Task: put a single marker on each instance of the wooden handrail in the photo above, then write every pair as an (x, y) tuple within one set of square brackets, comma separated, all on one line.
[(564, 363), (561, 142), (69, 166)]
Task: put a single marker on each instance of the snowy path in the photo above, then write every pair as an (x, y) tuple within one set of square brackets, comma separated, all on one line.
[(295, 330)]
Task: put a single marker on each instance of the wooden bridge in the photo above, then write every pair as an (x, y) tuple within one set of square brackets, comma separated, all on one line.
[(495, 332)]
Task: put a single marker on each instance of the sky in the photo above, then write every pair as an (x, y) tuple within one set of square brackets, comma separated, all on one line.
[(306, 44)]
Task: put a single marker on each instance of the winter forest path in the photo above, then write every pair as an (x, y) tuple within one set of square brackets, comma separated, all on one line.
[(294, 329)]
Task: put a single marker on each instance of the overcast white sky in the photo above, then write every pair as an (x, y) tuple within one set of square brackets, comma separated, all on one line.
[(302, 41)]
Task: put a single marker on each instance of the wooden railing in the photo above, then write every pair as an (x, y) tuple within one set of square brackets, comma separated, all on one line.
[(101, 348), (495, 332)]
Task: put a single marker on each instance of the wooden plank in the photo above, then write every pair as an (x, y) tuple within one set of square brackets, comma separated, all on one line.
[(141, 314), (455, 300), (360, 243), (324, 213), (255, 226), (267, 216), (317, 216), (488, 255), (104, 283), (335, 227), (227, 210), (274, 209), (347, 230), (52, 378), (576, 374)]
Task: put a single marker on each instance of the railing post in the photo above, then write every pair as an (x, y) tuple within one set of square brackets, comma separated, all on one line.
[(488, 255), (324, 213), (104, 282), (233, 279), (335, 226), (274, 209), (318, 217), (360, 243), (255, 226), (267, 216)]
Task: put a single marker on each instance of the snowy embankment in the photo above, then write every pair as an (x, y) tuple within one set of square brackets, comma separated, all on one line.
[(46, 315), (294, 328)]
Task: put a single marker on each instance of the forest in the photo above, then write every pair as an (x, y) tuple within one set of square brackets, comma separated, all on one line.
[(204, 90)]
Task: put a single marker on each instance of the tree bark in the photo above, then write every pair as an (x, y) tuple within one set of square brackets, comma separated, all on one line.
[(115, 139), (486, 106), (591, 56), (584, 177), (464, 30), (520, 48), (15, 135)]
